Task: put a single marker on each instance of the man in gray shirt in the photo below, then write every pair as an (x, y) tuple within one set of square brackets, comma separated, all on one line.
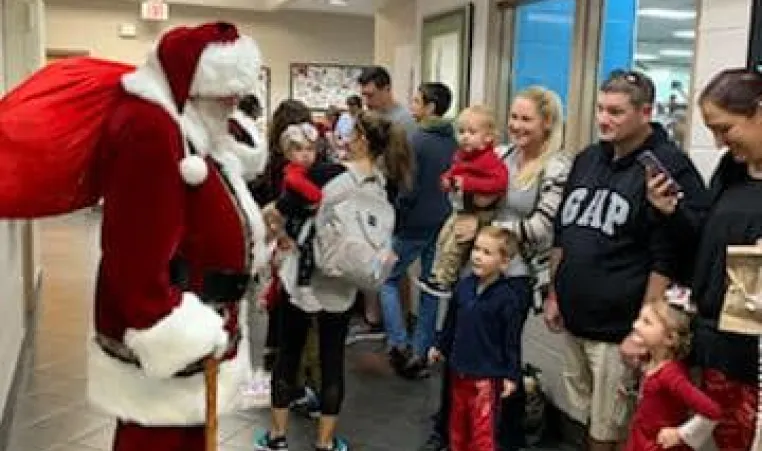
[(376, 87)]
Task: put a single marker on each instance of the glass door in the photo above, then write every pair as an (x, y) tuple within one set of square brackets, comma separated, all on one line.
[(537, 44)]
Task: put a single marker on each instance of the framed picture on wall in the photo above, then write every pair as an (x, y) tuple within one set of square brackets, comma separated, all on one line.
[(446, 41), (264, 93), (321, 85)]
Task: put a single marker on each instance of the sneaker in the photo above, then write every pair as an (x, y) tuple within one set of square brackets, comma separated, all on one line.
[(416, 368), (434, 443), (433, 288), (398, 358), (365, 332), (338, 445), (263, 442), (308, 405)]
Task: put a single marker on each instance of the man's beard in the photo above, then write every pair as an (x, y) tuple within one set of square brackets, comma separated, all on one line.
[(213, 115)]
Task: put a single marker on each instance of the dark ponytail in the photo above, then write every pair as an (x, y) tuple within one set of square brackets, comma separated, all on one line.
[(388, 143)]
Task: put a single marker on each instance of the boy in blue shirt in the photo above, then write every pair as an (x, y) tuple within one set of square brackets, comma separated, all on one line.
[(481, 341)]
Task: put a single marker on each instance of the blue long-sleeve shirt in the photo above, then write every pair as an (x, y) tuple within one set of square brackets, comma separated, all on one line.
[(482, 333)]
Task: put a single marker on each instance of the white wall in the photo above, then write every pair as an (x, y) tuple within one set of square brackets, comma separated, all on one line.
[(481, 22), (722, 42), (396, 47), (284, 37), (20, 45)]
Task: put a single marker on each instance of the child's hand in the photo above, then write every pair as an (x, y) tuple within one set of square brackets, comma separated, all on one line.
[(509, 388), (669, 438), (435, 355), (446, 183)]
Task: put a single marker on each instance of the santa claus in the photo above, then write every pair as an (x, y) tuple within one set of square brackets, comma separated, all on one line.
[(180, 238)]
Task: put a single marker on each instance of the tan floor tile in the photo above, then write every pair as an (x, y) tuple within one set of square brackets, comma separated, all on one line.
[(101, 439)]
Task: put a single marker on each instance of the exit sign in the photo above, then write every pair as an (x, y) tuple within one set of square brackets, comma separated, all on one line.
[(155, 10)]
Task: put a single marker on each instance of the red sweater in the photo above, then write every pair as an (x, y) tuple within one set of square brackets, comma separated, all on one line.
[(481, 171), (667, 399), (296, 180)]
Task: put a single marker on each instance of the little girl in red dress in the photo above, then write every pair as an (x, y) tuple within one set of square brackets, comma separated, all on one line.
[(662, 419)]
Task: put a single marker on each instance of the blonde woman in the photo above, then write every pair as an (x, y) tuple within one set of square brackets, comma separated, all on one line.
[(538, 168)]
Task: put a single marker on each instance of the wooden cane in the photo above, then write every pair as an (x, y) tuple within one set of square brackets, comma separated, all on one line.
[(210, 378)]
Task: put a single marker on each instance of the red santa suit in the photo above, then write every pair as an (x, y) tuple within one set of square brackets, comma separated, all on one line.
[(180, 237)]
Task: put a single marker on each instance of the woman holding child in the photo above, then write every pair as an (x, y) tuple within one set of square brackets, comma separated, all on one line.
[(537, 168), (377, 152)]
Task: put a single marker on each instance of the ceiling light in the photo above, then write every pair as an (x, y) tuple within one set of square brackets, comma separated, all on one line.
[(646, 57), (669, 14), (685, 34), (676, 53), (338, 2)]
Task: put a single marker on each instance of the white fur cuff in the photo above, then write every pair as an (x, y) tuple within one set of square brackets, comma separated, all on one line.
[(190, 332)]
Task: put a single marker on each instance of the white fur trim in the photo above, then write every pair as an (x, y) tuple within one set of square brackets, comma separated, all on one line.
[(233, 171), (226, 69), (149, 83), (193, 170), (124, 391), (253, 159), (189, 333)]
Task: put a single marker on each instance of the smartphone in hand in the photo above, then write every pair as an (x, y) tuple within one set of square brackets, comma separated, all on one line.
[(654, 166)]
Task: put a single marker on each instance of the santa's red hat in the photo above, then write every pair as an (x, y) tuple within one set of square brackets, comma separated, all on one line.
[(209, 60)]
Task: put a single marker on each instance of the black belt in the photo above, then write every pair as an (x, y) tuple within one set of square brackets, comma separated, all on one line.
[(119, 351), (219, 286)]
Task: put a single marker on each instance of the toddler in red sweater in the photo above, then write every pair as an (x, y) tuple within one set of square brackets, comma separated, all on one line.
[(299, 200), (476, 181), (662, 418)]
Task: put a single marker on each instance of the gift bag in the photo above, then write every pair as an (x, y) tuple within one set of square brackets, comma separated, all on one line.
[(742, 309)]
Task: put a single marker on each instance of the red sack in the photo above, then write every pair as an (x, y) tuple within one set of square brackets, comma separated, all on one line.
[(49, 131)]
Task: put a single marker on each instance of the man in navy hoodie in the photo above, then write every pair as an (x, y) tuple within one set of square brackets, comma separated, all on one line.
[(613, 251), (420, 213)]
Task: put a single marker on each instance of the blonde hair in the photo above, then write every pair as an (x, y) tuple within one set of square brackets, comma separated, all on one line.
[(677, 322), (297, 135), (551, 111), (509, 242), (485, 114)]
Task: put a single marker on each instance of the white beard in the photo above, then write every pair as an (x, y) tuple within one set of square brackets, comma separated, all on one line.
[(205, 122)]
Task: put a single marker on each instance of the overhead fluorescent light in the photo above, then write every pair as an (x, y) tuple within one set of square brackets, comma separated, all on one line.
[(676, 53), (685, 34), (669, 14), (646, 57), (338, 2)]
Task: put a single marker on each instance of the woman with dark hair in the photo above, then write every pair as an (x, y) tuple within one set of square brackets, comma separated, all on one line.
[(377, 151), (266, 190), (267, 187), (731, 363)]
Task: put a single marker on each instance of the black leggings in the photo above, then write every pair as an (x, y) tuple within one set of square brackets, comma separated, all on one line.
[(332, 333)]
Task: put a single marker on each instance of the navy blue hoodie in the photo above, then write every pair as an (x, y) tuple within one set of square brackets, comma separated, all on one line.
[(612, 238), (422, 210), (482, 333)]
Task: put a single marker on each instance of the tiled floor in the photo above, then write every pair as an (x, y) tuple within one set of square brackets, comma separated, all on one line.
[(381, 412)]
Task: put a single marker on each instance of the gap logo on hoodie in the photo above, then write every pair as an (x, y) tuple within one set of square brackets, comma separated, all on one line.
[(600, 209)]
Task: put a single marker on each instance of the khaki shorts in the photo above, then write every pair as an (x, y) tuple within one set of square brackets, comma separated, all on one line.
[(594, 376)]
